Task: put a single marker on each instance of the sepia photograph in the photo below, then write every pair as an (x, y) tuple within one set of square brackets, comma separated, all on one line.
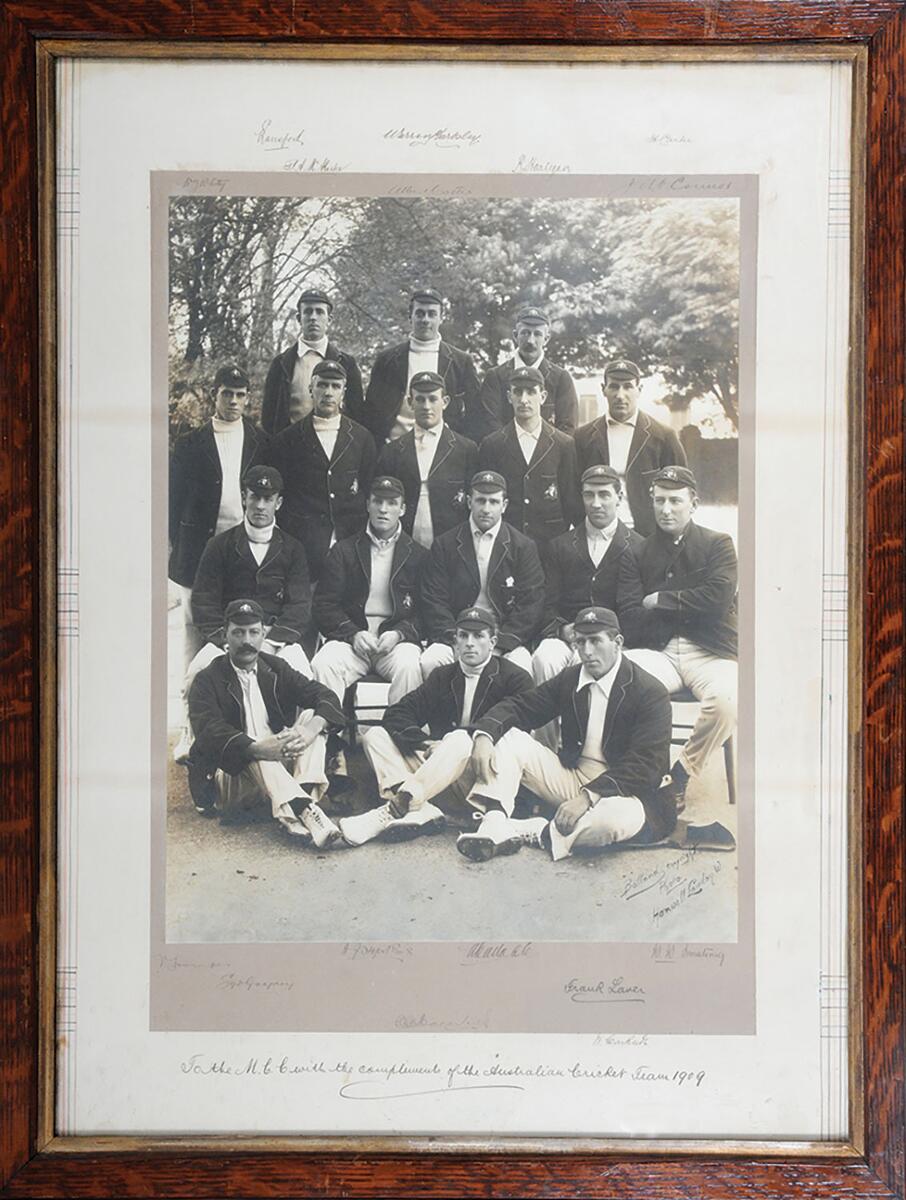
[(453, 526)]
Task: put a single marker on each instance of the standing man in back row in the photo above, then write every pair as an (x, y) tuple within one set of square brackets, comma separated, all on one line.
[(629, 441), (387, 412), (287, 389), (206, 467), (561, 404)]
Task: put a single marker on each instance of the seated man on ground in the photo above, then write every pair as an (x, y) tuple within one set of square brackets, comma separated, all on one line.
[(250, 744), (414, 768), (604, 786)]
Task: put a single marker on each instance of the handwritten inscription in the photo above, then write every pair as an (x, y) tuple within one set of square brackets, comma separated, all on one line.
[(444, 139), (172, 962), (675, 183), (434, 189), (423, 1021), (613, 991), (374, 950), (317, 166), (670, 953), (271, 139), (249, 983), (497, 951), (527, 163), (402, 1078), (669, 139), (203, 183)]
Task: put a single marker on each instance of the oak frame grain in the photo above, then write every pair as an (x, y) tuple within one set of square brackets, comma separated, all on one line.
[(30, 1164)]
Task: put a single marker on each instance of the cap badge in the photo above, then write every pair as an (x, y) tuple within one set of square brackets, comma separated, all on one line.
[(509, 581)]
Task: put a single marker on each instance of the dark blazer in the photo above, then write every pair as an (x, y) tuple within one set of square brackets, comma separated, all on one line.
[(196, 483), (653, 445), (451, 582), (696, 586), (455, 462), (218, 716), (635, 742), (275, 407), (572, 581), (339, 601), (389, 378), (437, 703), (543, 495), (229, 571), (322, 497), (493, 410)]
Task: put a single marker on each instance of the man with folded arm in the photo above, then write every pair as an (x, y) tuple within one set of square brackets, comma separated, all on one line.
[(603, 786), (414, 768), (252, 743)]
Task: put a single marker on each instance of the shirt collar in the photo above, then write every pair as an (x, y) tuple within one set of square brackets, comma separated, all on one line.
[(519, 361), (605, 683), (606, 533), (631, 422), (319, 347), (383, 543), (420, 433), (324, 423), (245, 672), (533, 434), (476, 532)]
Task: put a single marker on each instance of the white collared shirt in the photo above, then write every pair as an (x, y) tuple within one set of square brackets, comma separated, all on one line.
[(308, 355), (598, 699), (519, 361), (484, 548), (379, 602), (599, 540), (528, 440), (327, 429), (257, 724), (426, 443)]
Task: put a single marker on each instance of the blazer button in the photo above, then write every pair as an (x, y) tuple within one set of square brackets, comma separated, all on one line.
[(332, 496), (669, 574), (527, 501)]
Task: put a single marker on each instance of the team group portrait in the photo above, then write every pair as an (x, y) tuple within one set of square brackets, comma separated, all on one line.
[(452, 571)]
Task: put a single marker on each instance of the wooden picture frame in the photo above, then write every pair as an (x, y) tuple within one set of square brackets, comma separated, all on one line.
[(33, 1162)]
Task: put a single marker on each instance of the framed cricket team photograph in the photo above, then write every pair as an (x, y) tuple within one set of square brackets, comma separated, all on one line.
[(470, 719)]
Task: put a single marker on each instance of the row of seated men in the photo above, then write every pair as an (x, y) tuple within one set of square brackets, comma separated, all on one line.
[(427, 429), (384, 604)]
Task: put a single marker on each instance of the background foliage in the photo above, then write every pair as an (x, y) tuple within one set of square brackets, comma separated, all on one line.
[(653, 280)]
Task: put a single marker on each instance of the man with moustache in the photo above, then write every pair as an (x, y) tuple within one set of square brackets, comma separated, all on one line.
[(257, 561), (483, 563), (414, 768), (629, 441), (366, 603), (206, 467), (387, 412), (434, 464), (604, 785), (249, 744), (327, 462), (537, 461), (678, 591), (561, 404), (287, 388)]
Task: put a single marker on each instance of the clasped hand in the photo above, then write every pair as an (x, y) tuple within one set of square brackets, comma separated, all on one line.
[(369, 646)]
